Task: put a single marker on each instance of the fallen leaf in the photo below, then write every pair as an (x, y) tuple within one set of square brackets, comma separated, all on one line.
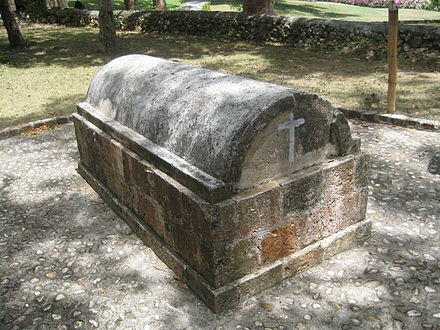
[(183, 286), (38, 130), (267, 306), (177, 278)]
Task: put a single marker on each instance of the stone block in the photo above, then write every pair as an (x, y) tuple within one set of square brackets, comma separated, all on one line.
[(362, 170), (279, 243), (338, 178), (254, 211), (150, 210), (237, 260), (306, 258), (326, 219), (303, 192), (264, 278)]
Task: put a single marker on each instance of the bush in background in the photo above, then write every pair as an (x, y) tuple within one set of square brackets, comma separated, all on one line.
[(410, 4), (433, 5)]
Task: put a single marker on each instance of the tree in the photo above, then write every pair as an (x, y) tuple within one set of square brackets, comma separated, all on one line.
[(60, 3), (160, 5), (131, 4), (14, 35), (35, 8), (257, 7), (56, 3), (107, 24)]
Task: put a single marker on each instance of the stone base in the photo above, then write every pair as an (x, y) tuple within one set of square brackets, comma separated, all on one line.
[(233, 293)]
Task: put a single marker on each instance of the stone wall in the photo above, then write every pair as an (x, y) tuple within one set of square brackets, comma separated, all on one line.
[(302, 32)]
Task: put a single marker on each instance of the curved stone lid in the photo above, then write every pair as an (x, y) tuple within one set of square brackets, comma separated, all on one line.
[(208, 118)]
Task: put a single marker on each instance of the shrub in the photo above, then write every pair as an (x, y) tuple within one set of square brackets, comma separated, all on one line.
[(36, 9), (412, 4), (207, 7), (433, 5)]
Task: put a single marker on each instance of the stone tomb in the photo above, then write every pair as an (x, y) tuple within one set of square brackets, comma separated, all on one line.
[(236, 184)]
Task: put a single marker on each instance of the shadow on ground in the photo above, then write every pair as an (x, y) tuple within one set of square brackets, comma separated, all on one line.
[(345, 79), (67, 260), (54, 107), (285, 7)]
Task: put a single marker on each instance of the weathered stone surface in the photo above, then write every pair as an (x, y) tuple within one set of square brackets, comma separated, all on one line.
[(237, 260), (324, 220), (162, 203), (338, 178), (235, 183), (306, 258), (340, 136), (279, 243), (303, 192), (243, 215), (236, 138)]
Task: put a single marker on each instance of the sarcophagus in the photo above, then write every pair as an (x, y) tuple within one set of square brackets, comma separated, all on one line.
[(236, 184)]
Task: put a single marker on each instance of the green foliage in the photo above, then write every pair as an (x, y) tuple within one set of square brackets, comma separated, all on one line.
[(236, 5), (360, 44), (119, 4), (207, 7), (36, 9), (433, 5), (364, 43), (119, 22), (4, 59)]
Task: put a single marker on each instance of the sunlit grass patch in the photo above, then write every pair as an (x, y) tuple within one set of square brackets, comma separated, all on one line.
[(329, 10), (51, 76)]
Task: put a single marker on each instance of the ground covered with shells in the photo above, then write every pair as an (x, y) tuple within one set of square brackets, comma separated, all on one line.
[(67, 261)]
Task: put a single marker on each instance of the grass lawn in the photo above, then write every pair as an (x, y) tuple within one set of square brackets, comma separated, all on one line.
[(329, 10), (52, 75)]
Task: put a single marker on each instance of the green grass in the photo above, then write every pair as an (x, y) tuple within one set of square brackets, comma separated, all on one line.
[(53, 74), (328, 10), (119, 4)]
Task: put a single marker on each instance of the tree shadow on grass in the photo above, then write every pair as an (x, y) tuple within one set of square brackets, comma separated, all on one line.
[(73, 47), (77, 47), (54, 107), (285, 7), (51, 45)]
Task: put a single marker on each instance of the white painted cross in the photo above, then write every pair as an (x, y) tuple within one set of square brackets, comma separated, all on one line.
[(291, 124)]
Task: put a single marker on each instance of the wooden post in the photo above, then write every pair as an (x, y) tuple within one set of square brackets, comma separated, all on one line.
[(393, 26)]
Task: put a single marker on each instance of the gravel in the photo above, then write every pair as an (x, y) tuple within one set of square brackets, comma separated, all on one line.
[(67, 261)]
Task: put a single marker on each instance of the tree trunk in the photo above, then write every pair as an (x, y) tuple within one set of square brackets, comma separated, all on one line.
[(107, 25), (393, 31), (14, 35), (257, 7), (160, 5), (131, 4), (61, 3)]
